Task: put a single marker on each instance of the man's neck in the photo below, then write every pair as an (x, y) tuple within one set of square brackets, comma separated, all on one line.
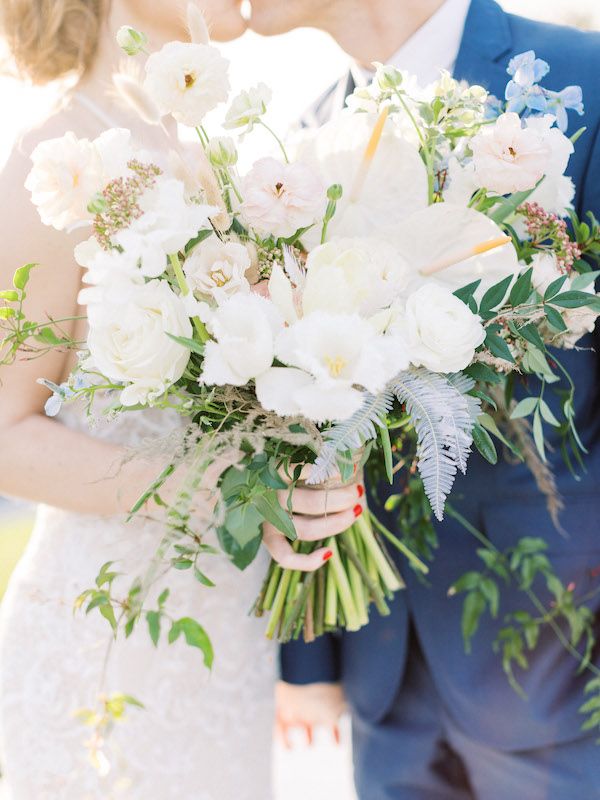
[(376, 29)]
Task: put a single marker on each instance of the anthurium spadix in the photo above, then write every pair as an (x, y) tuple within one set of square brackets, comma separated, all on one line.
[(455, 245), (383, 181)]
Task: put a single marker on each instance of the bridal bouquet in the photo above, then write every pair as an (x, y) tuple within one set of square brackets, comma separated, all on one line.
[(363, 297)]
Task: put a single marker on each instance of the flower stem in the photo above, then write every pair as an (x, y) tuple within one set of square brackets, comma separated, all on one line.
[(414, 560), (346, 598), (387, 574), (277, 139), (185, 290)]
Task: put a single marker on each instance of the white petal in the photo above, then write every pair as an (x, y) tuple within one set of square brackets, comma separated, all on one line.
[(277, 389), (282, 294)]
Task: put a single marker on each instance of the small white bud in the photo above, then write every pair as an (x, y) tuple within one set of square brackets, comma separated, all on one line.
[(387, 77), (221, 151), (131, 41)]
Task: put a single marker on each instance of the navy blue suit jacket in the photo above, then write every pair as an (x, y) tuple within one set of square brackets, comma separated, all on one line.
[(502, 501)]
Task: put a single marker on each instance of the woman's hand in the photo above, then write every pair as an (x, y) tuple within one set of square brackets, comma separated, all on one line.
[(316, 705), (317, 514)]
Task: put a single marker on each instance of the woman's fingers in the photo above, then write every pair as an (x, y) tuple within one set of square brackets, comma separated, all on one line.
[(282, 551), (317, 502), (313, 529)]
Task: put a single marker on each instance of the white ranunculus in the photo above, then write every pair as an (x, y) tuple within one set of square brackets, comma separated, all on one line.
[(187, 80), (340, 352), (167, 224), (279, 198), (248, 107), (545, 270), (441, 332), (244, 328), (354, 275), (509, 157), (395, 184), (66, 174), (128, 341), (218, 269), (116, 150)]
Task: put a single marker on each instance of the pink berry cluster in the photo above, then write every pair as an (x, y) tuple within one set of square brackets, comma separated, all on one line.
[(120, 201), (549, 230)]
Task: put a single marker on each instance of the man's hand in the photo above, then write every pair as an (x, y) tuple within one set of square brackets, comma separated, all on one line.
[(308, 707), (317, 514)]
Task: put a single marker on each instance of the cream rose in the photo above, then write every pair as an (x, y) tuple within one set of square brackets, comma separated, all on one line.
[(128, 341), (441, 332)]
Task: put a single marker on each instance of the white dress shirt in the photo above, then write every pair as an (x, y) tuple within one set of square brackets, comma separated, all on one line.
[(433, 47)]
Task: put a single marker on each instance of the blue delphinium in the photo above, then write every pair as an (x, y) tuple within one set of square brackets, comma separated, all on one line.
[(525, 96)]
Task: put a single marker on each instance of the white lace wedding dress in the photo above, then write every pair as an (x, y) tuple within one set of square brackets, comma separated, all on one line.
[(202, 736)]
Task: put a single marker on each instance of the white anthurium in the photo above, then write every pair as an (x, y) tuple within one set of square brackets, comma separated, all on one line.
[(340, 352), (441, 243), (375, 199), (244, 328), (360, 275)]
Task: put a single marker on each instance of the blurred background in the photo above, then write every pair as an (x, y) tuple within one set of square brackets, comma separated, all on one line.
[(298, 67)]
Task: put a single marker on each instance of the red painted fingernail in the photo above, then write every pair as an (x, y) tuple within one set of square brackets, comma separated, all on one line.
[(327, 555), (360, 489), (358, 510)]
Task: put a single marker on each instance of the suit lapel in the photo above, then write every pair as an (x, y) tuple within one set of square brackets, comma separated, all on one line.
[(485, 46)]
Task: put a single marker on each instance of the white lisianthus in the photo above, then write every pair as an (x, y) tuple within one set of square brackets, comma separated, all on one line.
[(509, 157), (279, 199), (218, 269), (332, 355), (167, 224), (128, 341), (545, 270), (354, 275), (247, 108), (187, 80), (66, 173), (244, 328), (441, 332)]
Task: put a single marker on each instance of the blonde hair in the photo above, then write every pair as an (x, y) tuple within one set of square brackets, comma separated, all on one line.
[(49, 39)]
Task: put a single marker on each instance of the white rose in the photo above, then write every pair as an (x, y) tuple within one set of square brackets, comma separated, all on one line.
[(279, 199), (509, 157), (441, 332), (218, 269), (248, 107), (66, 174), (579, 321), (244, 327), (187, 80), (556, 192), (545, 270), (128, 341), (354, 275), (166, 225)]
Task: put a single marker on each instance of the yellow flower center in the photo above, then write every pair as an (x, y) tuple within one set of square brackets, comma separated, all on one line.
[(190, 80), (336, 365), (219, 278)]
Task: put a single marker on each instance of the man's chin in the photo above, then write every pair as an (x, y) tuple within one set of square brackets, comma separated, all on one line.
[(272, 17)]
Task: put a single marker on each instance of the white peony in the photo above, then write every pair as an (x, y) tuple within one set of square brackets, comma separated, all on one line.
[(244, 328), (167, 224), (67, 172), (248, 107), (354, 275), (218, 269), (332, 355), (128, 341), (441, 332), (509, 157), (187, 80), (279, 198)]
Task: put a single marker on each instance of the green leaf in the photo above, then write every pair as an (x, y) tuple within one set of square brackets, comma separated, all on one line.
[(269, 507), (9, 295), (467, 582), (108, 614), (182, 563), (21, 276), (489, 589), (554, 287), (203, 579), (483, 442), (384, 436), (522, 288), (473, 608), (153, 620), (465, 293), (538, 434), (574, 299), (524, 408), (498, 347), (240, 556), (489, 423), (163, 597), (547, 414), (508, 206), (190, 344), (196, 636), (174, 632), (47, 336), (243, 522), (495, 294), (530, 334), (482, 373), (7, 313), (555, 319), (579, 282)]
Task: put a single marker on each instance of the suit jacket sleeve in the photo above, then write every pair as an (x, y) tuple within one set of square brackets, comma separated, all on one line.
[(317, 662)]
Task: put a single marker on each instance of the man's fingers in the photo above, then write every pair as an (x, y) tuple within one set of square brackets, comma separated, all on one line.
[(317, 502), (282, 552)]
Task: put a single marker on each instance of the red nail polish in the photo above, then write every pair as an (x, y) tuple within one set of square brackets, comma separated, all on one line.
[(327, 555), (360, 489), (358, 510)]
